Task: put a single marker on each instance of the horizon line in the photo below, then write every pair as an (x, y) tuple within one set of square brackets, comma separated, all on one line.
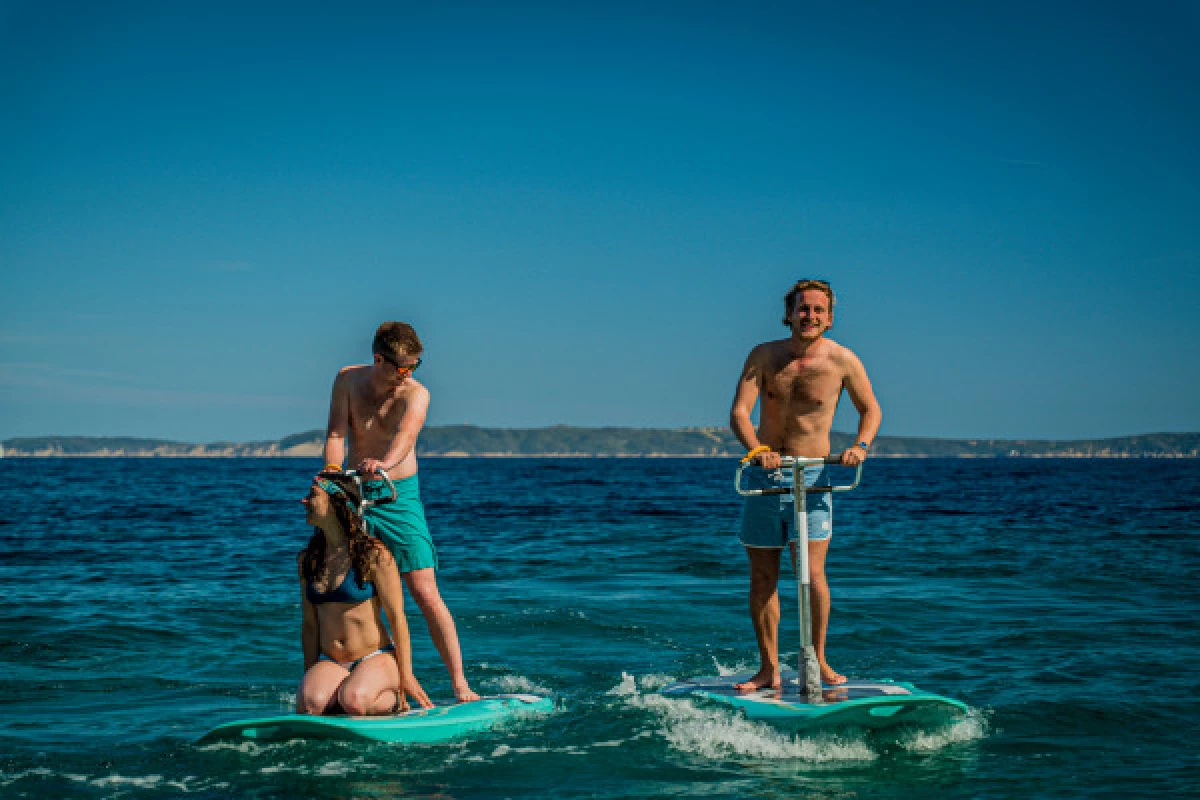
[(685, 428)]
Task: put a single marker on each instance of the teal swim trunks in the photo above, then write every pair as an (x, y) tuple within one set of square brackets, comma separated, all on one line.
[(401, 524)]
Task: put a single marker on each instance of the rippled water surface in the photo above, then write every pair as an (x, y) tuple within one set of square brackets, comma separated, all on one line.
[(145, 601)]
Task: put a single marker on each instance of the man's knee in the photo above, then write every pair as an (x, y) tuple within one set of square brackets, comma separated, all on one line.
[(818, 585), (764, 574), (763, 591), (425, 593)]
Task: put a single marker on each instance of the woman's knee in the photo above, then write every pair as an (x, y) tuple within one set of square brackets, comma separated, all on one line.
[(357, 701), (362, 700), (313, 700)]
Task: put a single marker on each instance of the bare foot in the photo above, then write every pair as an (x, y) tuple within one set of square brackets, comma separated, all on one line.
[(464, 694), (830, 677), (765, 678)]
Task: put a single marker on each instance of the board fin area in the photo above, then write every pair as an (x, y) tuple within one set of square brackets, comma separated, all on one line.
[(419, 726), (862, 704)]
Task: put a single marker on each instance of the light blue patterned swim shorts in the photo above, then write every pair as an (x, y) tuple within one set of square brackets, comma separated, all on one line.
[(767, 521)]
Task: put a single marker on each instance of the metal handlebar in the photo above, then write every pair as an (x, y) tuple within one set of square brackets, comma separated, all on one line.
[(357, 477), (797, 462)]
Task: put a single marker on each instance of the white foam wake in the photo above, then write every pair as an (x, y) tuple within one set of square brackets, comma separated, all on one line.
[(514, 684), (738, 668), (717, 733), (968, 729)]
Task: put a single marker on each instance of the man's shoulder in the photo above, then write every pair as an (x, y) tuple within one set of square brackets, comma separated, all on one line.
[(840, 354), (352, 376), (415, 390), (352, 370), (410, 393)]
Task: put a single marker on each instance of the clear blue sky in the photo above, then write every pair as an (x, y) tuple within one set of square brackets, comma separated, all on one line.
[(591, 211)]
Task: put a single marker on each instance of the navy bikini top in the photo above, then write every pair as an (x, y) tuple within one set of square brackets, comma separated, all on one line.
[(346, 592)]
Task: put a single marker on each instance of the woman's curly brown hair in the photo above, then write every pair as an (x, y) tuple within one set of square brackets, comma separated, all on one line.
[(363, 549)]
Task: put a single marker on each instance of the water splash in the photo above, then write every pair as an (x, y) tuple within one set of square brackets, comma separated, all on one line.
[(968, 729), (716, 733), (626, 688), (736, 669), (515, 684), (655, 681)]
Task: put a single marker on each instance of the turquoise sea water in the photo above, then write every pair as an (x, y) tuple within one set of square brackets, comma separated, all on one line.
[(146, 600)]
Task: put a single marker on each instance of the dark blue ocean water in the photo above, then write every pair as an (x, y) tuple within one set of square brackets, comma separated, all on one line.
[(144, 601)]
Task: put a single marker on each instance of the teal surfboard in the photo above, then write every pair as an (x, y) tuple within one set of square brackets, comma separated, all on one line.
[(861, 704), (412, 727)]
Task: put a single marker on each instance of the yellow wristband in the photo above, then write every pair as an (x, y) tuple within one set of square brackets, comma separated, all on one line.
[(762, 448), (332, 468)]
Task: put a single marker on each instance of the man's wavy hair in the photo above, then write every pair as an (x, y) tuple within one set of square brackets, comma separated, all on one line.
[(789, 299), (396, 339), (363, 553)]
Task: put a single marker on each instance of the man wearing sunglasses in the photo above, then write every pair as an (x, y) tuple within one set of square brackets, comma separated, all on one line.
[(378, 409), (798, 381)]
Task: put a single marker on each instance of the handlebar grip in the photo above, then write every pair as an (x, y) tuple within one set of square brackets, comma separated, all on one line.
[(789, 461)]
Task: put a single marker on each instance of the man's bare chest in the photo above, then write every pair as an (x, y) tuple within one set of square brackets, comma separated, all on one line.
[(804, 383), (375, 413)]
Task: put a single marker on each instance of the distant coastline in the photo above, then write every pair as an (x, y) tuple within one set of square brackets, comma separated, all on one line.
[(562, 441)]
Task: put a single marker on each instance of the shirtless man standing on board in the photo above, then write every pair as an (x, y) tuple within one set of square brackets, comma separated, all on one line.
[(799, 380), (380, 410)]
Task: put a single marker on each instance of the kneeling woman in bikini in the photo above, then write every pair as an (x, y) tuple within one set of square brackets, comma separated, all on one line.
[(348, 581)]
